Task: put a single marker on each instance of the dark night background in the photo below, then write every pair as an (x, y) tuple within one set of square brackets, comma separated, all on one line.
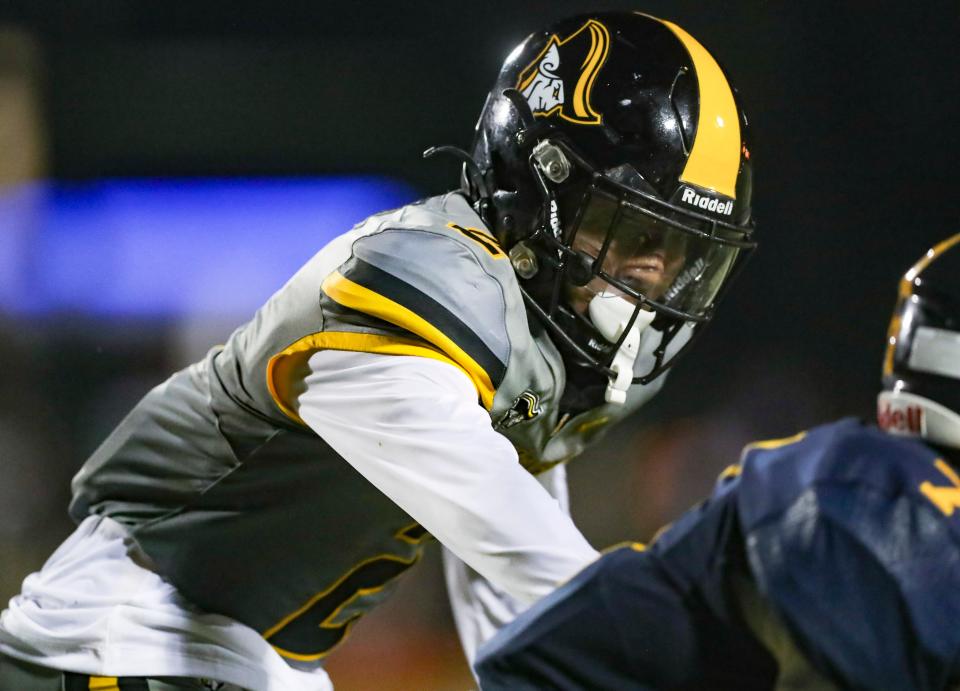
[(853, 113)]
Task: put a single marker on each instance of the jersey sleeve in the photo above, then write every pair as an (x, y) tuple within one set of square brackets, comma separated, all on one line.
[(479, 607), (412, 427), (438, 285), (636, 619), (864, 581), (588, 633)]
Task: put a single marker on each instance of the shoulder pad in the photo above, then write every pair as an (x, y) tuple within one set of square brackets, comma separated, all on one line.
[(776, 472), (447, 284), (860, 564)]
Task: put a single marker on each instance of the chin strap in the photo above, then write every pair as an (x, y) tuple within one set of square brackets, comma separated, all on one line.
[(474, 183), (612, 315), (907, 415)]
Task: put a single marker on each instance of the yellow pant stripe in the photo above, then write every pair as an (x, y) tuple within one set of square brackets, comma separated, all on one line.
[(103, 684)]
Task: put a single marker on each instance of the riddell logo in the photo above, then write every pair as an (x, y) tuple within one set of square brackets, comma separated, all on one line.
[(707, 203), (905, 420), (555, 220)]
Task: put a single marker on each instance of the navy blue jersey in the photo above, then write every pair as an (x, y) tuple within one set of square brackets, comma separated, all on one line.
[(849, 540)]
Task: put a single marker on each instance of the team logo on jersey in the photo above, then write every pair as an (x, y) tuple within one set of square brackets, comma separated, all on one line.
[(525, 407), (560, 79)]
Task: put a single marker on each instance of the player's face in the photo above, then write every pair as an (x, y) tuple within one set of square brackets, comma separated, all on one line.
[(643, 254)]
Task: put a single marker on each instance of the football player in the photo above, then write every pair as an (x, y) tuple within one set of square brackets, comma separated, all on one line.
[(411, 380), (829, 560)]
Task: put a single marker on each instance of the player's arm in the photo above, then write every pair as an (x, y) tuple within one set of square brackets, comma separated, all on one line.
[(479, 607), (861, 593), (412, 427), (638, 619), (594, 632)]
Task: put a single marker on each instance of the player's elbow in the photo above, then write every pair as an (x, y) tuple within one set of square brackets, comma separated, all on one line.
[(498, 671)]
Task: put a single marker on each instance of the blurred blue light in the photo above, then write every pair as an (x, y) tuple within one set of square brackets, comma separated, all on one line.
[(171, 248)]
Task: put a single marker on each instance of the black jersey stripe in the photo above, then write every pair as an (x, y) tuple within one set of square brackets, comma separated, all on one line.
[(421, 304)]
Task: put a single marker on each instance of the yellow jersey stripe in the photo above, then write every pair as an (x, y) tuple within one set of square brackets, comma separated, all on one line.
[(355, 296), (732, 470), (628, 544), (284, 370), (768, 444), (103, 684)]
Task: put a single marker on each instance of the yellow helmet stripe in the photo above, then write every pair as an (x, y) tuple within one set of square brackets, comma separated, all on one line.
[(924, 262), (714, 160), (904, 292)]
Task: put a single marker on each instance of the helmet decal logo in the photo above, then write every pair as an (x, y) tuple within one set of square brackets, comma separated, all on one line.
[(560, 79)]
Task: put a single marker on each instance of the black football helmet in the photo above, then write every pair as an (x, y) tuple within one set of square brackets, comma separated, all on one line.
[(921, 368), (610, 161)]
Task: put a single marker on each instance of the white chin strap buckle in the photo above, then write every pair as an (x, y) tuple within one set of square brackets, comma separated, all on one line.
[(610, 314)]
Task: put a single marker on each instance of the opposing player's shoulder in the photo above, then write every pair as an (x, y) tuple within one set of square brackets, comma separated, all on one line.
[(895, 496), (845, 456), (849, 532), (433, 269)]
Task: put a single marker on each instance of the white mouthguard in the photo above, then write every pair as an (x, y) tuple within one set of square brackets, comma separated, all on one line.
[(611, 313)]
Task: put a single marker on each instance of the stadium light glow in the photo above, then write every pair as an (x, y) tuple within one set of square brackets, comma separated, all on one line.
[(171, 248)]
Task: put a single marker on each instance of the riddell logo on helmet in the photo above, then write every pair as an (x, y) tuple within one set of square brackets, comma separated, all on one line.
[(690, 197), (900, 420)]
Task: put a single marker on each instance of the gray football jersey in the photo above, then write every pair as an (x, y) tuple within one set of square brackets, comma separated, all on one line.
[(251, 514)]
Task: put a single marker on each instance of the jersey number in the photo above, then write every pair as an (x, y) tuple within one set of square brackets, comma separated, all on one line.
[(482, 239), (944, 498), (309, 633)]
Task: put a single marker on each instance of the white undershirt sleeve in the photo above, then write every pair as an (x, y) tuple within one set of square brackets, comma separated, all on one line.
[(479, 608), (412, 426)]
